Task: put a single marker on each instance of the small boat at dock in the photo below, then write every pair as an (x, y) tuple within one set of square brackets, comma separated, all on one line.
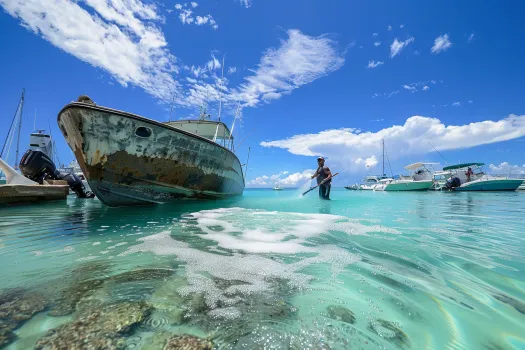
[(19, 189), (128, 159)]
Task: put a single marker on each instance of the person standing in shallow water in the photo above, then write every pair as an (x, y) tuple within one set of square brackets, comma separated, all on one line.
[(323, 173)]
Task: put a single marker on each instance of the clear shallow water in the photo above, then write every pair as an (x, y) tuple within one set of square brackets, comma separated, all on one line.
[(270, 270)]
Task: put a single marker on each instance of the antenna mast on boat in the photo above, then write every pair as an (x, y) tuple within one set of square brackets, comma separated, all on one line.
[(21, 106), (237, 114), (34, 122), (438, 152), (220, 88), (383, 157)]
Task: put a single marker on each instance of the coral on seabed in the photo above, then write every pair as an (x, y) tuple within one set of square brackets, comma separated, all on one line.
[(340, 313), (102, 328), (17, 306), (188, 342)]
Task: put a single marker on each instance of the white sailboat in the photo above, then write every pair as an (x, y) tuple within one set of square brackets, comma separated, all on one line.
[(375, 182)]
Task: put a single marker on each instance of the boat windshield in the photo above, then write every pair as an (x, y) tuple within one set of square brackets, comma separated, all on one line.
[(212, 130)]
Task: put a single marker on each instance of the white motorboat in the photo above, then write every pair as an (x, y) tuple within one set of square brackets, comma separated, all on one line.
[(373, 182), (420, 180), (439, 179), (479, 180)]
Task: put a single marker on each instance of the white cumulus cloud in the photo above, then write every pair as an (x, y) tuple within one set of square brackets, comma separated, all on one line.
[(506, 168), (369, 162), (299, 60), (377, 43), (187, 16), (441, 43), (280, 179), (410, 88), (121, 37), (345, 146), (398, 46), (374, 64)]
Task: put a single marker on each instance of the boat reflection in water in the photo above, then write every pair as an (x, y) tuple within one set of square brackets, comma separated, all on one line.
[(128, 159)]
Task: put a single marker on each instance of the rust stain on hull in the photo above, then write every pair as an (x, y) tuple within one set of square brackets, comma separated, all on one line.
[(124, 169)]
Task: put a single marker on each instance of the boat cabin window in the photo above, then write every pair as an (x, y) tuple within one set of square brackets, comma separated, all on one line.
[(142, 131)]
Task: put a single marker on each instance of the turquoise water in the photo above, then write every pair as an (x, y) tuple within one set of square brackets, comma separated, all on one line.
[(270, 270)]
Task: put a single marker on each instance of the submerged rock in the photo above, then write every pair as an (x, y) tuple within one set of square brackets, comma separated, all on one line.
[(70, 296), (188, 342), (22, 307), (157, 341), (340, 313), (100, 329), (142, 275), (91, 270), (518, 305), (17, 306), (120, 317), (168, 301), (6, 332), (390, 331)]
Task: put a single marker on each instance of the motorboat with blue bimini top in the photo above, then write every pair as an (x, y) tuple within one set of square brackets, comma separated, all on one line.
[(128, 159), (461, 179)]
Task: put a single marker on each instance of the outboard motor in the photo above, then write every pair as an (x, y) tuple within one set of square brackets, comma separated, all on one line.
[(38, 167), (453, 182), (76, 185)]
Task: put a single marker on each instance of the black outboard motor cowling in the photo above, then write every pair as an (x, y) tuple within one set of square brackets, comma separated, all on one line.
[(453, 182), (37, 166)]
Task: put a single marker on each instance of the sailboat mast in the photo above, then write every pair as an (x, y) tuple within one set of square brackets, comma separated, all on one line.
[(383, 157), (19, 127)]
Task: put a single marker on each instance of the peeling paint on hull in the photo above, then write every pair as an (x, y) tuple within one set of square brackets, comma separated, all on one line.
[(125, 169)]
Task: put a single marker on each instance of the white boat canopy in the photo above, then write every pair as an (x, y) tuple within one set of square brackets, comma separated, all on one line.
[(418, 165), (205, 128)]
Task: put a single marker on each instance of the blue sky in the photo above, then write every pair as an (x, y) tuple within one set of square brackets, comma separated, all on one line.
[(312, 77)]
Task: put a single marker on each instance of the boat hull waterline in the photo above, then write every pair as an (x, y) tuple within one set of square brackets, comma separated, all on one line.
[(125, 169)]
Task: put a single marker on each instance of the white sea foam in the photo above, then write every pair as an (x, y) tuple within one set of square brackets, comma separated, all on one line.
[(258, 231), (250, 235), (247, 273)]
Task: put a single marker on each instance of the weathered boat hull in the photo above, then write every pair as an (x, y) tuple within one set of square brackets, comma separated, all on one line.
[(491, 185), (125, 169)]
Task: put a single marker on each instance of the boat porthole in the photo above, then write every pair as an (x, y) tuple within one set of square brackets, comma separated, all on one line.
[(142, 131)]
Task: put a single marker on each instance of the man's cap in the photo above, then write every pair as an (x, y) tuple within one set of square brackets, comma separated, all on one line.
[(320, 158)]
